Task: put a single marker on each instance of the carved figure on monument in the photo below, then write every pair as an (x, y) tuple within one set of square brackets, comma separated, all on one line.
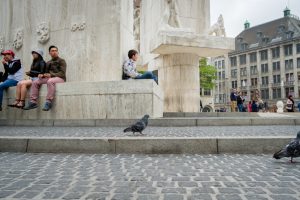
[(170, 17), (18, 40), (136, 28), (218, 29), (1, 43), (78, 26), (43, 31)]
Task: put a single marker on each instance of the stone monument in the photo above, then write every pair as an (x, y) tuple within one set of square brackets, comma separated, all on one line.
[(174, 46), (94, 37)]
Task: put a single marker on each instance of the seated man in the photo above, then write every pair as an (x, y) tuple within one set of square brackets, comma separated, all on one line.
[(55, 72), (13, 72), (129, 68)]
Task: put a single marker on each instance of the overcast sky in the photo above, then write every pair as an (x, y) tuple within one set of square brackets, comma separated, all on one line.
[(235, 12)]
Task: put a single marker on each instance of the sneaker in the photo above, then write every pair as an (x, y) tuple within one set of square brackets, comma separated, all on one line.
[(30, 106), (47, 106)]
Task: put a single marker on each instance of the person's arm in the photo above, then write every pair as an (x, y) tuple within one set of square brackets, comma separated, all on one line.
[(62, 72), (12, 70), (42, 67)]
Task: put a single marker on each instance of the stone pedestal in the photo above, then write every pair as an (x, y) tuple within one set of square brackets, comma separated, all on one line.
[(179, 78), (130, 99), (178, 65)]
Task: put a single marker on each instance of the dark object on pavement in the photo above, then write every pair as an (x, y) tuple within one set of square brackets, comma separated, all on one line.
[(291, 150), (139, 126)]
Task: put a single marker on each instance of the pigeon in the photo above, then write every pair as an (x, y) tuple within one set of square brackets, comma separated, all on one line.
[(291, 150), (139, 126)]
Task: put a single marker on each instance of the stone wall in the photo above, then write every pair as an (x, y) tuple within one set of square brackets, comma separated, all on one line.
[(130, 99), (93, 36)]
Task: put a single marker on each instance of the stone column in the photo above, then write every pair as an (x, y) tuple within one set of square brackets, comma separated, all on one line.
[(179, 78)]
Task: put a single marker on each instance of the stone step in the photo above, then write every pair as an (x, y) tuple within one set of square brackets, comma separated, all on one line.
[(164, 122), (228, 114), (142, 145)]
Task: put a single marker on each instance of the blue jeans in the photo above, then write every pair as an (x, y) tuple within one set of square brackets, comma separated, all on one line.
[(240, 106), (6, 84), (147, 75)]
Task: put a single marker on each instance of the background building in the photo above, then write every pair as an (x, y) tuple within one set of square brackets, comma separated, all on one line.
[(266, 61)]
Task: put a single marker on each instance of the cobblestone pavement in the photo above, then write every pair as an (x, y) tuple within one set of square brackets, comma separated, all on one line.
[(147, 177), (209, 131)]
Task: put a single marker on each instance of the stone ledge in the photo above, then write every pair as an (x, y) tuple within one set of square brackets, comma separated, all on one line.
[(92, 100), (139, 145), (159, 122)]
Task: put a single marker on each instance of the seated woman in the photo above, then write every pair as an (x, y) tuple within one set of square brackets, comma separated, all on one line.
[(37, 67)]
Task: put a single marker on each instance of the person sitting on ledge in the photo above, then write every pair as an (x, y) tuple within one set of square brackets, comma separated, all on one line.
[(55, 73), (37, 67), (129, 68), (13, 72)]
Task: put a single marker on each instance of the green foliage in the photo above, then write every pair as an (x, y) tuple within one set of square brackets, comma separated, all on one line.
[(207, 74)]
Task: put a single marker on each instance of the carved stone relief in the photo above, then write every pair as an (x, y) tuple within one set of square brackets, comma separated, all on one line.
[(18, 39), (43, 32)]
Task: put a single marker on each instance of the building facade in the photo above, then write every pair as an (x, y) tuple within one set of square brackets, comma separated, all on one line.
[(265, 63)]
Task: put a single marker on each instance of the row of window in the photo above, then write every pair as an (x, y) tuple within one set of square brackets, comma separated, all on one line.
[(289, 77), (288, 51), (265, 68), (276, 93), (220, 64)]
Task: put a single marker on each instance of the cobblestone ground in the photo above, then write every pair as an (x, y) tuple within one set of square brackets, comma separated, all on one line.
[(147, 177), (209, 131)]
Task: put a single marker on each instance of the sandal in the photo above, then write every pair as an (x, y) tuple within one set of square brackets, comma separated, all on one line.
[(14, 104), (21, 104)]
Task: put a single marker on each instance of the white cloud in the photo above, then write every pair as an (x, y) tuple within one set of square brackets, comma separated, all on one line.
[(235, 12)]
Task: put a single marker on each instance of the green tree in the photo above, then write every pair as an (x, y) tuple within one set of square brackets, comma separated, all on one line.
[(207, 74)]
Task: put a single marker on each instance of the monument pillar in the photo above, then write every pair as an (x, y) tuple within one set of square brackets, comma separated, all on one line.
[(174, 36), (179, 78)]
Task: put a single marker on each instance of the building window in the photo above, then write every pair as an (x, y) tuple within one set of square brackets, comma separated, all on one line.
[(264, 68), (289, 77), (223, 74), (216, 64), (207, 92), (223, 64), (253, 57), (233, 61), (243, 59), (276, 52), (289, 64), (288, 50), (253, 70), (276, 78), (289, 91), (234, 73), (277, 93), (276, 66), (253, 81), (244, 83), (265, 94), (298, 62), (234, 84), (264, 55), (243, 71), (265, 80), (298, 48)]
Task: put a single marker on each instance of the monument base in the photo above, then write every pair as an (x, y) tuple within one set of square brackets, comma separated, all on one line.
[(130, 99)]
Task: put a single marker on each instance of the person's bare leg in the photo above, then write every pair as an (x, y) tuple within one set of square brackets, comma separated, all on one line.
[(23, 91)]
